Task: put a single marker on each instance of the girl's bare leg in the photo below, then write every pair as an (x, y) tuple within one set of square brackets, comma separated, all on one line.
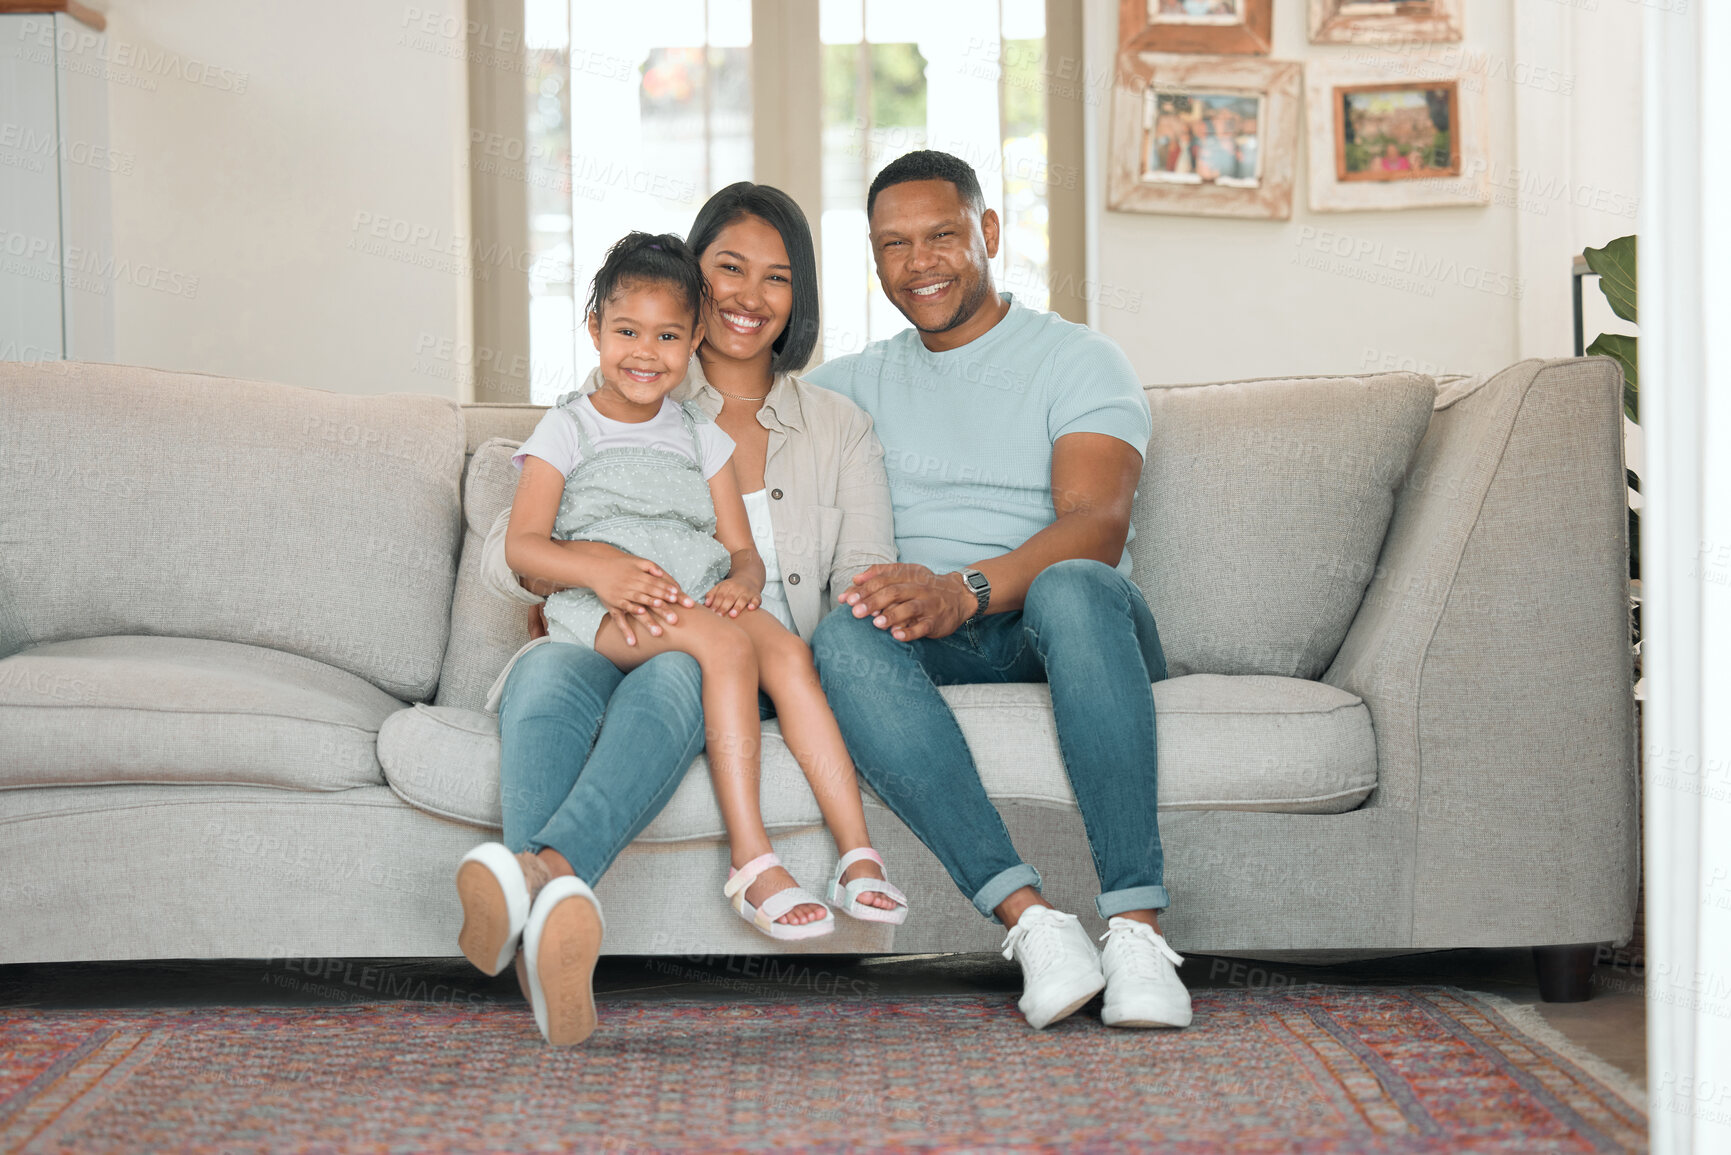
[(788, 676), (732, 732)]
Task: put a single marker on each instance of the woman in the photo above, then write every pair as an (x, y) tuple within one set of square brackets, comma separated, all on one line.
[(812, 473)]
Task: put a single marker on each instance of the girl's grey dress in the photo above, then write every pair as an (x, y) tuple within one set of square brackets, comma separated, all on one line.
[(652, 503)]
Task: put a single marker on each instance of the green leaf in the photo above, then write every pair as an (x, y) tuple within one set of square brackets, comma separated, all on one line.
[(1615, 264), (1621, 349)]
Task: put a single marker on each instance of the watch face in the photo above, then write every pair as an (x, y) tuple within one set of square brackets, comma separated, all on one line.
[(982, 588)]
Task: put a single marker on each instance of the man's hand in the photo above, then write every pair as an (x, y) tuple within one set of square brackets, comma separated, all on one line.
[(910, 601), (538, 620)]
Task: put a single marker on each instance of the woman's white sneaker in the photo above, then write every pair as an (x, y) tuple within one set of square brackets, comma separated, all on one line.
[(1060, 967), (561, 942), (1142, 985), (495, 888)]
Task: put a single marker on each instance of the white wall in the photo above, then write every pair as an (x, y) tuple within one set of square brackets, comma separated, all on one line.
[(1200, 299), (259, 135), (265, 143)]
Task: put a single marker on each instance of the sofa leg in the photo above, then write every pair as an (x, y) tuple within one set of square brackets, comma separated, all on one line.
[(1565, 972)]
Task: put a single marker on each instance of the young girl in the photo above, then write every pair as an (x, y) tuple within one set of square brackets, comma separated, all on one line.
[(649, 488)]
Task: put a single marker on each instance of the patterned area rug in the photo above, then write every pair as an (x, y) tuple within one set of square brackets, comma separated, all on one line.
[(1324, 1069)]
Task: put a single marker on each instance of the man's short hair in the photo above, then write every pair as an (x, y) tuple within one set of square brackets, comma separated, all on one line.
[(929, 164)]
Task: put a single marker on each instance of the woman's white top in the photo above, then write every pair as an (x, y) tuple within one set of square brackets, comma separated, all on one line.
[(763, 534)]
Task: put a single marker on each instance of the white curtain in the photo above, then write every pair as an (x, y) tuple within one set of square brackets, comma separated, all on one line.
[(1685, 291)]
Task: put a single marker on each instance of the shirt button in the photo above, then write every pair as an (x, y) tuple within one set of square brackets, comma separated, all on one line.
[(775, 493), (792, 579)]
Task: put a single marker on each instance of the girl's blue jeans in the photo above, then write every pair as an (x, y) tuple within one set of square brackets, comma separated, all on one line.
[(1086, 631)]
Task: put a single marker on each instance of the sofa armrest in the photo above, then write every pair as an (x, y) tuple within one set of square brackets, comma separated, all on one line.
[(1492, 649)]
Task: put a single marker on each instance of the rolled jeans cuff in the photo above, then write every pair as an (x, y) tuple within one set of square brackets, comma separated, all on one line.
[(1004, 884), (1134, 898)]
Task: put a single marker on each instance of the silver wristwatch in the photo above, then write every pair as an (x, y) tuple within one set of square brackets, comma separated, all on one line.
[(982, 591)]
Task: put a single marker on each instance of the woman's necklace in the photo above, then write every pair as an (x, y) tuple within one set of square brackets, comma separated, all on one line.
[(736, 396)]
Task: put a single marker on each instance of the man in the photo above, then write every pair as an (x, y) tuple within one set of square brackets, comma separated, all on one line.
[(1221, 154), (1013, 441)]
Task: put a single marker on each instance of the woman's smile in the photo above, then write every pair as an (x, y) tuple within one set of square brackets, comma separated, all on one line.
[(745, 323)]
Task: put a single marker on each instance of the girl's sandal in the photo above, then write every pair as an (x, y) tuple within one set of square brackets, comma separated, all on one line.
[(847, 899), (763, 917)]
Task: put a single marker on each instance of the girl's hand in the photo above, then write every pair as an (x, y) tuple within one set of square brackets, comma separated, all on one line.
[(731, 596)]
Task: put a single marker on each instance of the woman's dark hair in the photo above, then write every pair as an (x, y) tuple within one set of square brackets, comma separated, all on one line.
[(794, 347), (660, 259)]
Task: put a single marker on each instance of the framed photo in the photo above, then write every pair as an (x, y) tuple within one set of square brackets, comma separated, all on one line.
[(1398, 133), (1401, 131), (1215, 27), (1384, 21), (1204, 137)]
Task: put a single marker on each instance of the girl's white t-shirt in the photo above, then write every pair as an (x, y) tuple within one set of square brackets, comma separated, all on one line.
[(555, 438)]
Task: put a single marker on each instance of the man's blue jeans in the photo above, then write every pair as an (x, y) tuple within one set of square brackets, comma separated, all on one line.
[(588, 756), (1084, 629)]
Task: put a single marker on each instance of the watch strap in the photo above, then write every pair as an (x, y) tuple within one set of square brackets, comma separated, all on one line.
[(981, 587)]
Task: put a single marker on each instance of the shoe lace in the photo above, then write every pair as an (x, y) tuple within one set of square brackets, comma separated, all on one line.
[(1141, 947), (1035, 939)]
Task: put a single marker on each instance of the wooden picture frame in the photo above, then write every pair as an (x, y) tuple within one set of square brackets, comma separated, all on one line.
[(1181, 166), (1417, 172), (1415, 164), (1385, 21), (1185, 26)]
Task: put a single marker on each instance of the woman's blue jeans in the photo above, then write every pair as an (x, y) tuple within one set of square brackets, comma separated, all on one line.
[(1086, 631), (588, 755)]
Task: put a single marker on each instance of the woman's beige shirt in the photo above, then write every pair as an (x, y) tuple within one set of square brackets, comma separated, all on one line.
[(829, 498)]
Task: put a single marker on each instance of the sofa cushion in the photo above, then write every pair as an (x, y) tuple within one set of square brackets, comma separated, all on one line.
[(134, 501), (1261, 511), (445, 760), (485, 628), (182, 710), (1226, 743)]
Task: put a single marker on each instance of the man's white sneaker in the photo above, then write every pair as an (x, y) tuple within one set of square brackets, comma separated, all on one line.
[(1060, 967), (1142, 987)]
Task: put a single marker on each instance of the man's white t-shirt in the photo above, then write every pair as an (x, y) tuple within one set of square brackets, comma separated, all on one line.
[(555, 438)]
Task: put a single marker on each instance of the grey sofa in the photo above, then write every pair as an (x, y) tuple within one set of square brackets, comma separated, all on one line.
[(243, 650)]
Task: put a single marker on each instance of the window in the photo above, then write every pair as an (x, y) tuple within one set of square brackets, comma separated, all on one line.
[(960, 77), (651, 112), (646, 118)]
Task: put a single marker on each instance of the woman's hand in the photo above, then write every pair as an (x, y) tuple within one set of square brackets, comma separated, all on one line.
[(733, 595), (636, 587)]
